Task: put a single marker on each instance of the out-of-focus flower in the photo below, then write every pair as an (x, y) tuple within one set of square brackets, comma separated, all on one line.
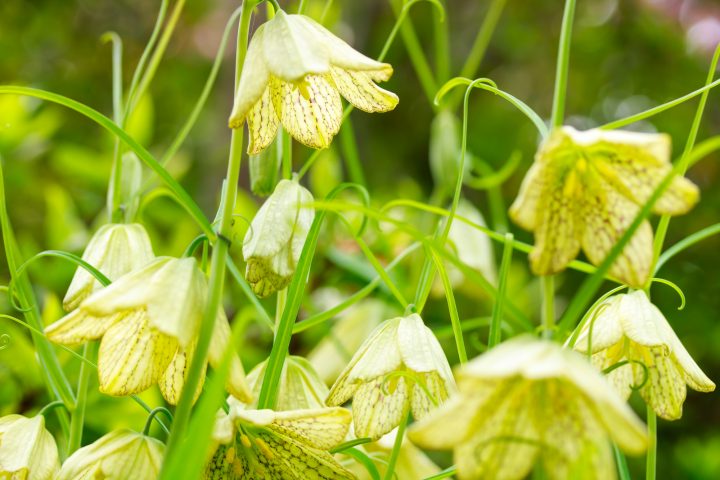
[(334, 351), (400, 366), (586, 188), (294, 73), (119, 455), (528, 401), (628, 328), (411, 461), (149, 320), (269, 445), (115, 249), (27, 450), (473, 247), (300, 387), (276, 237)]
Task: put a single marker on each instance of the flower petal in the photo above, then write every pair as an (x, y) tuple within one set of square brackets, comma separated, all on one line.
[(309, 110), (253, 83), (132, 356), (236, 383), (262, 123), (78, 326), (322, 428), (359, 89), (375, 411), (607, 215), (172, 380)]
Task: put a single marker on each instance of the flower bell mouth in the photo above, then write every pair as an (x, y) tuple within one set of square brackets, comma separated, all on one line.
[(585, 189), (294, 73)]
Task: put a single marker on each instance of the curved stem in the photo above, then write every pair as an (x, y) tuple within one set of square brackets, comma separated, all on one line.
[(217, 265)]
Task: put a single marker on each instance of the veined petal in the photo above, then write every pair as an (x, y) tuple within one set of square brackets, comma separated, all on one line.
[(291, 50), (133, 355), (665, 389), (603, 329), (236, 383), (377, 356), (344, 56), (359, 89), (262, 123), (607, 215), (78, 326), (321, 428), (310, 110), (253, 84), (172, 379), (379, 406)]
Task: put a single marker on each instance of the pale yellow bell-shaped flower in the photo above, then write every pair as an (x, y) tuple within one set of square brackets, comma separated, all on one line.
[(411, 462), (294, 73), (629, 333), (270, 445), (530, 401), (300, 387), (586, 188), (149, 320), (119, 455), (335, 350), (275, 239), (115, 249), (27, 450), (400, 367)]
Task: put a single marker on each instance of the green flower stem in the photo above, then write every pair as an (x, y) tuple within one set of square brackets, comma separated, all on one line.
[(217, 265), (548, 301), (58, 384), (664, 223), (651, 458), (395, 453), (563, 61), (495, 331), (78, 415)]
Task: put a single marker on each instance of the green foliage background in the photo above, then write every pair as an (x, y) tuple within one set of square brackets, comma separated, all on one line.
[(57, 163)]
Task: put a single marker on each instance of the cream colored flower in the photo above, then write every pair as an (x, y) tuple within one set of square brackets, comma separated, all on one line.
[(335, 350), (294, 73), (149, 320), (400, 367), (115, 249), (27, 450), (628, 328), (528, 401), (300, 387), (585, 189), (119, 455), (269, 445), (276, 237)]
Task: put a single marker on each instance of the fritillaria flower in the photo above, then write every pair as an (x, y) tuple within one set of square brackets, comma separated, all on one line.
[(585, 189), (269, 445), (631, 338), (149, 321), (530, 401), (294, 73), (122, 454), (115, 249), (400, 367), (27, 450), (300, 387), (276, 237)]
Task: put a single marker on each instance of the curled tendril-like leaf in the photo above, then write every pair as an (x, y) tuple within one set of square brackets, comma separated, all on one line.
[(646, 371)]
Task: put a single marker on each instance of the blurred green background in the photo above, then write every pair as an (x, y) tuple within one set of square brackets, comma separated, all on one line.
[(626, 56)]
